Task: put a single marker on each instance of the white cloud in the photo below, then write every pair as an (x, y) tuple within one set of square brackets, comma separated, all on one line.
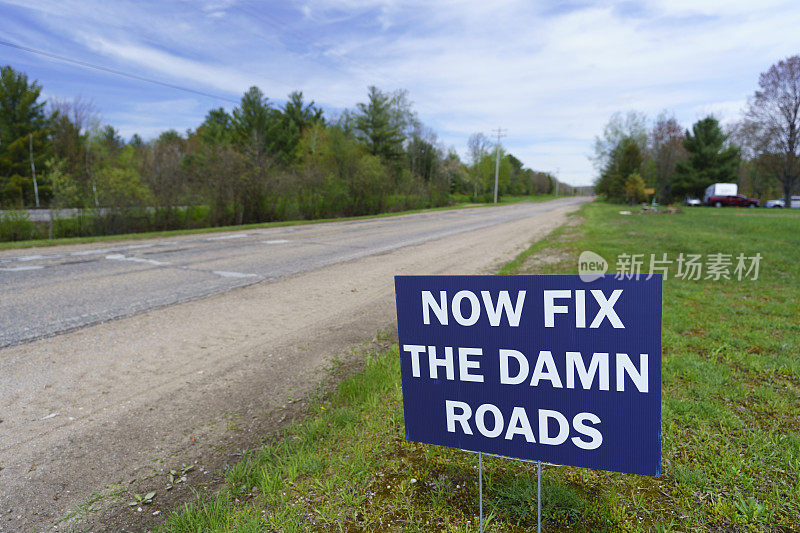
[(550, 73), (227, 79)]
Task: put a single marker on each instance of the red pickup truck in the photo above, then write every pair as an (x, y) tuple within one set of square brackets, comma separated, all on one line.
[(737, 200)]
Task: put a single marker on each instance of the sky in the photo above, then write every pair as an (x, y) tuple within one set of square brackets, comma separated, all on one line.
[(550, 73)]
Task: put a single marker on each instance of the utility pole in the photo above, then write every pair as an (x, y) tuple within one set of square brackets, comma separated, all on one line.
[(558, 171), (33, 170), (500, 132), (89, 173)]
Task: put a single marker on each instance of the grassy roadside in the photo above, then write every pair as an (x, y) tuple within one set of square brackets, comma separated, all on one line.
[(10, 245), (731, 415)]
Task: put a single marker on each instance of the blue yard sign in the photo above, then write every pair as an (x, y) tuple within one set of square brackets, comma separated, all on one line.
[(545, 368)]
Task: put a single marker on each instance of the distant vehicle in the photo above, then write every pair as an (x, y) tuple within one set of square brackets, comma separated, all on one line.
[(781, 203), (720, 189), (692, 201), (736, 200)]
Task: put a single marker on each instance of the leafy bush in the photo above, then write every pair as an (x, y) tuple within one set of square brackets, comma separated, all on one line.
[(17, 226), (634, 189)]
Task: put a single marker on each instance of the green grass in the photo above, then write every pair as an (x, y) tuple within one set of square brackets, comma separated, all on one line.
[(731, 415), (8, 245), (94, 503)]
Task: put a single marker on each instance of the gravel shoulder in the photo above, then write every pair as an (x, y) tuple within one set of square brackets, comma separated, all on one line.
[(109, 408)]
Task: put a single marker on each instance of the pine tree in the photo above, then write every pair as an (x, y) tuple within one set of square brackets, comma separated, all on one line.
[(22, 119), (379, 125), (625, 160), (710, 161), (254, 122)]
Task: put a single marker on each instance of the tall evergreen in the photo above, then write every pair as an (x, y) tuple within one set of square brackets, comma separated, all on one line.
[(295, 117), (217, 128), (22, 120), (624, 161), (710, 161), (378, 125), (254, 122)]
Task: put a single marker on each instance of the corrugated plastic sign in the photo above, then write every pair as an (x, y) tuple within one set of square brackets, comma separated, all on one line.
[(546, 368)]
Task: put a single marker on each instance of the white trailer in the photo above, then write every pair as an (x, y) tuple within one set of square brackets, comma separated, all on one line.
[(720, 189)]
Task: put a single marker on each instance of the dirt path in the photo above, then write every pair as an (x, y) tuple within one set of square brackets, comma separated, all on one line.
[(113, 406)]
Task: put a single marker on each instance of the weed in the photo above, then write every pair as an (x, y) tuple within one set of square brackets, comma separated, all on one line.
[(147, 499)]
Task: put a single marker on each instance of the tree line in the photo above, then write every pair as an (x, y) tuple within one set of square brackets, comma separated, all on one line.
[(259, 162), (760, 152)]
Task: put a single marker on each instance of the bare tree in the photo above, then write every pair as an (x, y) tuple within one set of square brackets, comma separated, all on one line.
[(772, 122), (70, 124), (541, 183), (666, 146), (424, 152), (757, 169), (632, 124), (81, 113), (478, 146), (160, 165)]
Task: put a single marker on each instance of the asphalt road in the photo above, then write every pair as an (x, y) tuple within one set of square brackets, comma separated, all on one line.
[(48, 291), (108, 409)]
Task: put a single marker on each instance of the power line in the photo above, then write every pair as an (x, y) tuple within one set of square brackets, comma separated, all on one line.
[(114, 71)]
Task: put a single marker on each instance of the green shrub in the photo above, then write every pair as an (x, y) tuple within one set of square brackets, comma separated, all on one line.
[(17, 226)]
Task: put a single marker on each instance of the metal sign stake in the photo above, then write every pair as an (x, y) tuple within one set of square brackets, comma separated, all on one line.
[(538, 486), (539, 496), (480, 488)]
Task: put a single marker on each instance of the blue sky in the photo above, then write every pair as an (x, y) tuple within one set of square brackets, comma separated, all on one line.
[(550, 72)]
